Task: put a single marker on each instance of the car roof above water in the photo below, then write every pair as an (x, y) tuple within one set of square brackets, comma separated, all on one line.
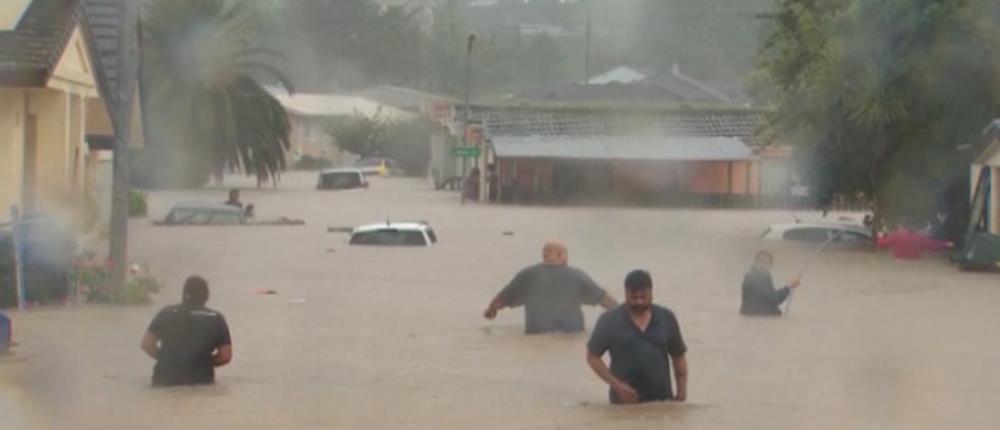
[(415, 226), (831, 225), (340, 170), (206, 206)]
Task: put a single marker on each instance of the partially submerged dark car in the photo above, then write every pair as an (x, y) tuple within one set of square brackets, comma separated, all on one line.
[(202, 213), (341, 179)]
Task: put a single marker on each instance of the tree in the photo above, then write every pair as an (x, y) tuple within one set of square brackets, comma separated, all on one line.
[(880, 92), (203, 102), (361, 135)]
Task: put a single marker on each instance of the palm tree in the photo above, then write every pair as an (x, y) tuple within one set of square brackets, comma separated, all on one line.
[(199, 64)]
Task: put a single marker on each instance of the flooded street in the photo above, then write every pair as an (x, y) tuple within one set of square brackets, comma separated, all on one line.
[(361, 338)]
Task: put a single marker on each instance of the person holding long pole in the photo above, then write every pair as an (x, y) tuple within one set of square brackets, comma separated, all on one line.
[(760, 297)]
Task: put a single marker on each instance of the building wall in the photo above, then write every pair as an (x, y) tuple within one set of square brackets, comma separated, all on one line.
[(308, 136), (709, 177), (11, 149)]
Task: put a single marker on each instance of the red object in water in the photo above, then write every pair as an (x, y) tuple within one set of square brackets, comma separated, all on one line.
[(908, 245)]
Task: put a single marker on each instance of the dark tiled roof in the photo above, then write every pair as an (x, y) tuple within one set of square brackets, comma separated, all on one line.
[(686, 89), (103, 19), (602, 93), (29, 52), (518, 121)]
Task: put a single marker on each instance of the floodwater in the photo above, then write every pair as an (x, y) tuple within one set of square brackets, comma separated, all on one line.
[(361, 338)]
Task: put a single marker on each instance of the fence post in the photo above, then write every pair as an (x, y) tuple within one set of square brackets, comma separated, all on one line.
[(15, 216)]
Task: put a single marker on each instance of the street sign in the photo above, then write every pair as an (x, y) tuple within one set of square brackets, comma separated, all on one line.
[(465, 151)]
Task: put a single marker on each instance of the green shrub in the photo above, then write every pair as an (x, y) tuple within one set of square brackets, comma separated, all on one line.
[(93, 282), (137, 205)]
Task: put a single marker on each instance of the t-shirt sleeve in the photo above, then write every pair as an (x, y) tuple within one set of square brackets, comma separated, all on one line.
[(513, 293), (158, 324), (675, 344), (600, 339), (590, 292), (224, 336)]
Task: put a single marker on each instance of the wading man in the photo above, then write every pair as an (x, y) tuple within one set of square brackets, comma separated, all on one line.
[(644, 341), (188, 341), (551, 293), (759, 295)]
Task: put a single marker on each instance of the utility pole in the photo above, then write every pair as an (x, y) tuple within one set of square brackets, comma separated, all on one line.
[(586, 54), (468, 96), (124, 97)]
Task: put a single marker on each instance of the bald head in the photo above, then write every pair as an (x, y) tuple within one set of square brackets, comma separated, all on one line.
[(554, 253)]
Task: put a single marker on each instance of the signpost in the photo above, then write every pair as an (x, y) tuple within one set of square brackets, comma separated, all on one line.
[(465, 151)]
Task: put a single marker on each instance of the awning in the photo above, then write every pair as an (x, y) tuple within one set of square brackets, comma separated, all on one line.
[(622, 148)]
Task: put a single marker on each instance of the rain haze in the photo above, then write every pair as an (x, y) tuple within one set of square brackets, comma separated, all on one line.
[(367, 186)]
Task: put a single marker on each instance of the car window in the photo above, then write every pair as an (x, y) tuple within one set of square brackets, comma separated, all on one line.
[(807, 234), (341, 180), (190, 216), (852, 237), (226, 218), (432, 236), (389, 237)]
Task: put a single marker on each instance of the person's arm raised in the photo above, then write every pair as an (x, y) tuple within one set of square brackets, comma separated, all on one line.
[(608, 302), (495, 305)]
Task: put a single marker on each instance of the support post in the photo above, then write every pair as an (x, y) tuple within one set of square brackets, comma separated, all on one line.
[(128, 70), (15, 216)]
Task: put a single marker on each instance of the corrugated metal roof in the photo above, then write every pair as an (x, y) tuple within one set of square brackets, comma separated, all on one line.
[(517, 121), (329, 105), (622, 148)]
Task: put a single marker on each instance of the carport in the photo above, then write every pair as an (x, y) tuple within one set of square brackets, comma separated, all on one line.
[(663, 168)]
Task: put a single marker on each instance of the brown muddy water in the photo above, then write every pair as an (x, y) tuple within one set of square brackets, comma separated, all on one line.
[(360, 338)]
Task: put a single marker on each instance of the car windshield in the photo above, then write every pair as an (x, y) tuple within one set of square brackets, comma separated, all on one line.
[(389, 237), (226, 218), (341, 180), (190, 216), (808, 234)]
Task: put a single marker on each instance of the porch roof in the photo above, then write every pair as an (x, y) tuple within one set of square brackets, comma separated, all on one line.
[(648, 148)]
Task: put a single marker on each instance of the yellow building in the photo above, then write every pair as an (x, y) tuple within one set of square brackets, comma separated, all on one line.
[(49, 103)]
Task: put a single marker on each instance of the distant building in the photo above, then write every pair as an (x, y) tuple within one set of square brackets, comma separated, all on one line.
[(662, 155), (51, 85), (311, 115)]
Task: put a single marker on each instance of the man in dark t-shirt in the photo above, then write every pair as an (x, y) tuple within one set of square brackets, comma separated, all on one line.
[(551, 293), (644, 340), (188, 341)]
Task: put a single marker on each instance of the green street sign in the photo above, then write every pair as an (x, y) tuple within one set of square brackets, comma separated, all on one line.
[(465, 151)]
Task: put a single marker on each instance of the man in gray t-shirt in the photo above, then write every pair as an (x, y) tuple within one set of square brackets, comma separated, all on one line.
[(551, 293)]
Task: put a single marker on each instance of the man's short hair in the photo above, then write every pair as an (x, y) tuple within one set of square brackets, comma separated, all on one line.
[(195, 291), (638, 280), (762, 253)]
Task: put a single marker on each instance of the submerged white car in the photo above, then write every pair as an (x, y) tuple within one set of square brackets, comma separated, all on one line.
[(394, 234), (818, 233)]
